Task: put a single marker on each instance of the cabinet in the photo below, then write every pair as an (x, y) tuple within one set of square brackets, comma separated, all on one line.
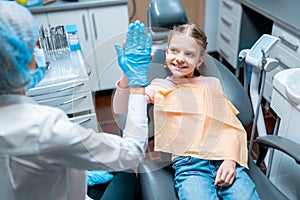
[(99, 28), (68, 91), (229, 24), (287, 52), (284, 172), (239, 28)]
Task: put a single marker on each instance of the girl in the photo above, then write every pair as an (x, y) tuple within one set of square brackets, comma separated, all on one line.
[(195, 123)]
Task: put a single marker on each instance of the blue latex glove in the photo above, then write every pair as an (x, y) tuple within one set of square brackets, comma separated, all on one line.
[(98, 177), (134, 59)]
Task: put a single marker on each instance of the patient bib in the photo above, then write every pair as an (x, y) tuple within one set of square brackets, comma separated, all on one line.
[(198, 121)]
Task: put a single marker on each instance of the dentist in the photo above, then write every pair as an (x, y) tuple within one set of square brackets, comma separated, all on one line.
[(42, 154)]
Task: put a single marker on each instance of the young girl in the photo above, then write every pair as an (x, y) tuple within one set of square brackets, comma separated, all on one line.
[(196, 123)]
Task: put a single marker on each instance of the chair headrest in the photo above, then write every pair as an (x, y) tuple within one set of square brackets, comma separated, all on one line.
[(162, 15)]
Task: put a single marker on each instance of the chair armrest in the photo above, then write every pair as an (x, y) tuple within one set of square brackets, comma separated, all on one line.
[(122, 186), (282, 144), (265, 188), (156, 180)]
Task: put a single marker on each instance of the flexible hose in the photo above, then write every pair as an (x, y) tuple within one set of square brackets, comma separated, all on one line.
[(257, 109), (262, 86), (246, 81)]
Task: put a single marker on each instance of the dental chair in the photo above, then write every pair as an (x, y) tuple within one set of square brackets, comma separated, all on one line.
[(156, 176)]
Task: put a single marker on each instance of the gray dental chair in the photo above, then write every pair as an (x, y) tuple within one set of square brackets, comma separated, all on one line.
[(156, 177)]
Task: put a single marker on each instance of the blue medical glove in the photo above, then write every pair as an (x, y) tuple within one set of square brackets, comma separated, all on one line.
[(134, 59), (98, 177)]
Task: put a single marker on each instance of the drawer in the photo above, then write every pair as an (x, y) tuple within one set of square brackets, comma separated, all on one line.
[(87, 121), (228, 38), (228, 54), (231, 7), (287, 40), (70, 87), (71, 104), (230, 23)]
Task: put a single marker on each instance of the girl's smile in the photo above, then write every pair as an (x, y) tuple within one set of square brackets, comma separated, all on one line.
[(182, 56)]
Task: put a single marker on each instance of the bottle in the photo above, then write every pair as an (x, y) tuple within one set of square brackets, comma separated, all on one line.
[(74, 44), (73, 37)]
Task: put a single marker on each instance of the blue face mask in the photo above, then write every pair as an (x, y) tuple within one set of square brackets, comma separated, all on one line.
[(37, 75)]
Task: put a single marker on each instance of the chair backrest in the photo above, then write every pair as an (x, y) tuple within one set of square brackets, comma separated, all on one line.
[(233, 89), (162, 15)]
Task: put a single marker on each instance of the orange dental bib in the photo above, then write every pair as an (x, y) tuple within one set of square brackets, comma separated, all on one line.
[(198, 121)]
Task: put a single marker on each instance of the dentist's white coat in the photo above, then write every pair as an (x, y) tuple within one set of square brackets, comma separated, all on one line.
[(44, 156)]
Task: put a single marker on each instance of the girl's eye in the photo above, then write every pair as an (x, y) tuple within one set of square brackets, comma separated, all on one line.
[(173, 51), (190, 55)]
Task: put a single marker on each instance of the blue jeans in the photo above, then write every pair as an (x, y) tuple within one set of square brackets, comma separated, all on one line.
[(194, 179)]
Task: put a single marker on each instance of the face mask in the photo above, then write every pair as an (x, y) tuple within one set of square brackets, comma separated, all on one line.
[(37, 75)]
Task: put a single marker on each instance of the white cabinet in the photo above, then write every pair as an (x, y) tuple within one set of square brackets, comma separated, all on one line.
[(229, 24), (284, 171), (109, 27), (287, 52), (72, 95), (99, 28)]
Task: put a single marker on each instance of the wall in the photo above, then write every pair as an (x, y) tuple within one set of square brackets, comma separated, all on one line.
[(194, 10)]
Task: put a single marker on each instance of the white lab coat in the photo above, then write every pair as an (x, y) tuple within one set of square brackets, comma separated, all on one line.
[(44, 156)]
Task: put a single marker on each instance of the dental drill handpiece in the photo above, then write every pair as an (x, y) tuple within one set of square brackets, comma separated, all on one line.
[(264, 60)]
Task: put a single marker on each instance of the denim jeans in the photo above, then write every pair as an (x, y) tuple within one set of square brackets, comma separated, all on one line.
[(194, 179)]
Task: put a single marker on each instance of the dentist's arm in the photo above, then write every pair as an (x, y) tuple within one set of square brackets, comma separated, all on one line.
[(108, 151), (120, 96)]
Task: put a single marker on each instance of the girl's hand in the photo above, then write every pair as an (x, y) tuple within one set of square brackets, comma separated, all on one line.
[(226, 174)]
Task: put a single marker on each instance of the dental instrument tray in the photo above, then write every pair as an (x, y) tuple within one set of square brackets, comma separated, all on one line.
[(265, 43)]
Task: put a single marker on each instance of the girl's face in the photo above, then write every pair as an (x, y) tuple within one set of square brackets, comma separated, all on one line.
[(182, 56)]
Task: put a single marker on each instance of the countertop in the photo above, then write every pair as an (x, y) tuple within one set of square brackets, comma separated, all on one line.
[(71, 5), (282, 12)]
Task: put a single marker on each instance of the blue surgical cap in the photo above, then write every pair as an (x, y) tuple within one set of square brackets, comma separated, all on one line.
[(18, 37)]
